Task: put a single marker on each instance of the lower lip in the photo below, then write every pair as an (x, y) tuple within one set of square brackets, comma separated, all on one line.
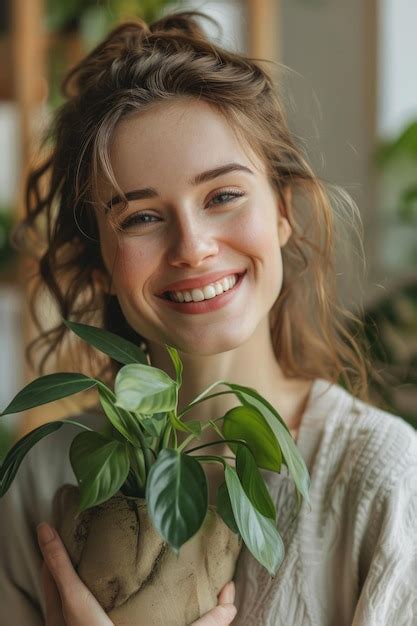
[(206, 306)]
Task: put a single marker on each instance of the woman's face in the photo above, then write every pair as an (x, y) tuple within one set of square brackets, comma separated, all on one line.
[(187, 229)]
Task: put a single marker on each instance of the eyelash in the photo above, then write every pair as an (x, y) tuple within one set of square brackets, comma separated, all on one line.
[(135, 219)]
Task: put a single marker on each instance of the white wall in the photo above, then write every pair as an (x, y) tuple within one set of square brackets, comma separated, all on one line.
[(229, 13), (397, 71), (9, 153), (329, 44), (11, 347)]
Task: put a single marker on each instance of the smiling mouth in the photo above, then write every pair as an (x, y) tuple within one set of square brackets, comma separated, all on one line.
[(167, 295)]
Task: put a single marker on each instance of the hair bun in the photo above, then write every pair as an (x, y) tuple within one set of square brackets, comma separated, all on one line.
[(182, 22), (129, 37)]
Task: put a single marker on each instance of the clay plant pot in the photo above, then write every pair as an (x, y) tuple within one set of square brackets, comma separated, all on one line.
[(133, 573)]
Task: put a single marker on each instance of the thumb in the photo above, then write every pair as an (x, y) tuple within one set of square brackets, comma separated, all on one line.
[(221, 615), (53, 606)]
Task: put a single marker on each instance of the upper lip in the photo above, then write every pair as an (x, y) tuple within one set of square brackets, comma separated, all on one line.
[(199, 281)]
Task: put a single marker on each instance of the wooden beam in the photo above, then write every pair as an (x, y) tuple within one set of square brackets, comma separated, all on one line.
[(263, 28), (29, 65)]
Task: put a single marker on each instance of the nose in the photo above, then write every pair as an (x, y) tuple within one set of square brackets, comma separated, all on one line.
[(192, 242)]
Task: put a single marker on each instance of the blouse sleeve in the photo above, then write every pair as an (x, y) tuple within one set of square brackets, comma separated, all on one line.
[(388, 564), (27, 503), (20, 559)]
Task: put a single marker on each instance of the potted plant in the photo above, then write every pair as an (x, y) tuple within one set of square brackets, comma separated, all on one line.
[(139, 527)]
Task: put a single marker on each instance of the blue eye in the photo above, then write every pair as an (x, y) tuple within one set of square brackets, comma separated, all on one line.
[(231, 194), (140, 219)]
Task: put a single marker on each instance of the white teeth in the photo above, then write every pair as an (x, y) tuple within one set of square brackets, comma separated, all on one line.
[(207, 292), (197, 295), (225, 283)]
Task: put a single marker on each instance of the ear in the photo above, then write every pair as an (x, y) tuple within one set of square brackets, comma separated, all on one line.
[(284, 228), (104, 281)]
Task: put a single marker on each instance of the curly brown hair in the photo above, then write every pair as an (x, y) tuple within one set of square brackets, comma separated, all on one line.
[(134, 67)]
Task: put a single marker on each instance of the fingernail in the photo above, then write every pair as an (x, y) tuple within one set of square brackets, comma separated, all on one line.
[(45, 533)]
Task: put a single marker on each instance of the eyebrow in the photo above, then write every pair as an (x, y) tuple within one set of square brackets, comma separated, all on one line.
[(203, 177)]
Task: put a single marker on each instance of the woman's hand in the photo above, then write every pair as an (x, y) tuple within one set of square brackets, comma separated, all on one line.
[(223, 614), (68, 602)]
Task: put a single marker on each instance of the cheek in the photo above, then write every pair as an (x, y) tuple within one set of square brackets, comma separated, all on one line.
[(257, 235), (133, 264), (127, 260)]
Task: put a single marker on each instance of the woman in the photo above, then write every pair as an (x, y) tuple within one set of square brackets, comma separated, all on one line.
[(173, 178)]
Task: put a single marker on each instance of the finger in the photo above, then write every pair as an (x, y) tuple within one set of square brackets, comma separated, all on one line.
[(76, 598), (57, 560), (53, 605), (227, 594), (79, 606), (221, 615)]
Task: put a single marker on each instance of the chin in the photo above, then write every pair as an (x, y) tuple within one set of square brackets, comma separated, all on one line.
[(211, 344)]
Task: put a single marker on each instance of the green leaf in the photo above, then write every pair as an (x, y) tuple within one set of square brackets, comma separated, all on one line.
[(224, 508), (152, 427), (253, 483), (149, 426), (113, 413), (297, 468), (138, 468), (175, 358), (119, 349), (145, 389), (47, 389), (129, 423), (153, 424), (192, 426), (17, 453), (259, 533), (177, 496), (101, 466), (247, 423)]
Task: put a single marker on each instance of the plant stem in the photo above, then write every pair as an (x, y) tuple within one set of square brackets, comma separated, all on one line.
[(212, 443), (166, 435), (195, 402), (67, 421), (138, 465), (192, 436), (210, 459), (145, 450)]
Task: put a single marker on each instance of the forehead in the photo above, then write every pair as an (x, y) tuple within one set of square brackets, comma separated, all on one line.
[(171, 142)]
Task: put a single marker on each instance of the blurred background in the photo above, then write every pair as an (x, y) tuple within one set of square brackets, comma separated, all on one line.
[(350, 87)]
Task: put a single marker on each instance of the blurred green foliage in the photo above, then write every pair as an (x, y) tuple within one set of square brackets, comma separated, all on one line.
[(391, 322), (390, 327), (391, 153), (97, 16), (7, 252), (90, 21)]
